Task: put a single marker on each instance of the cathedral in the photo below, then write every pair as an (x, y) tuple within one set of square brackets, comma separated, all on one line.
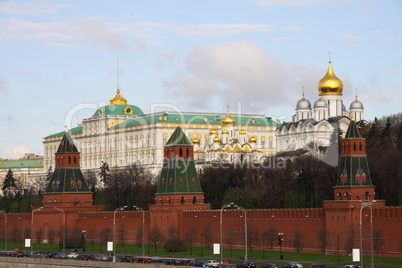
[(316, 131)]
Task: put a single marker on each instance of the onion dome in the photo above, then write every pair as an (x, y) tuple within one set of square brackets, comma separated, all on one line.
[(213, 132), (356, 105), (228, 121), (330, 84), (320, 103), (225, 132), (242, 132), (303, 104), (217, 139), (252, 139), (196, 141)]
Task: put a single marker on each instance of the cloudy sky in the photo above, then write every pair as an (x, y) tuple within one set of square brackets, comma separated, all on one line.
[(58, 59)]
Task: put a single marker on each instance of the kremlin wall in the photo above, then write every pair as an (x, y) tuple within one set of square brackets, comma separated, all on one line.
[(180, 204)]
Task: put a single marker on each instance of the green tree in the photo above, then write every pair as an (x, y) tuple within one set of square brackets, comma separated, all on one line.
[(8, 184), (298, 242), (104, 172)]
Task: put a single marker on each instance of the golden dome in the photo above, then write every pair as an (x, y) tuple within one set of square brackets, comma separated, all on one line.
[(242, 132), (252, 139), (213, 132), (228, 121), (330, 84), (196, 141), (118, 99), (217, 139), (225, 132)]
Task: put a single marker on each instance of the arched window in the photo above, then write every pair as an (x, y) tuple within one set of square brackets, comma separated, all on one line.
[(194, 199), (339, 196), (346, 195), (182, 200), (354, 146), (75, 159), (69, 159), (181, 152), (188, 153), (361, 146), (367, 196)]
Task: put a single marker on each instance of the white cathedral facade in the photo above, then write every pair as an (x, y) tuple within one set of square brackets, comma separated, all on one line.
[(314, 129)]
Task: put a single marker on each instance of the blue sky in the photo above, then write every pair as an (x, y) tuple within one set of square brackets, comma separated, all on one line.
[(58, 58)]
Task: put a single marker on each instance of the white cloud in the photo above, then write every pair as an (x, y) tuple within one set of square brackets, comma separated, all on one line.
[(31, 8), (241, 71), (15, 152)]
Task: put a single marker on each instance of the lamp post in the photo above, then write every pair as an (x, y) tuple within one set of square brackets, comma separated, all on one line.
[(33, 211), (64, 228), (143, 228), (222, 208), (114, 230), (367, 204), (245, 232), (280, 235)]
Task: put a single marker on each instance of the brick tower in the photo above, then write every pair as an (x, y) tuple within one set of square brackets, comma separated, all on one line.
[(354, 180), (67, 186), (179, 188)]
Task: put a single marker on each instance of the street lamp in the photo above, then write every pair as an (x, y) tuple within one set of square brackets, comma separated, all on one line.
[(33, 211), (280, 235), (143, 228), (367, 204), (245, 232), (222, 208), (114, 230), (64, 228)]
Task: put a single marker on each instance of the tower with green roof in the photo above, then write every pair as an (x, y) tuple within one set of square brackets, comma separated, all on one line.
[(179, 183), (354, 180), (67, 186)]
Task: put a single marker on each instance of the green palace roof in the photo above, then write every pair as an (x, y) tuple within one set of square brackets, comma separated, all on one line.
[(178, 138), (186, 118), (21, 163), (118, 109)]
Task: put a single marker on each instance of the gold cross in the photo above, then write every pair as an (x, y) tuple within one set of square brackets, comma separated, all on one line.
[(329, 53)]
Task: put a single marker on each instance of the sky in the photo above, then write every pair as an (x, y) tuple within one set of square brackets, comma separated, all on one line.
[(58, 59)]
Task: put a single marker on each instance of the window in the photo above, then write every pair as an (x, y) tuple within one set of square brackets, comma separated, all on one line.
[(367, 196), (69, 159), (188, 153), (75, 159), (181, 152), (339, 196)]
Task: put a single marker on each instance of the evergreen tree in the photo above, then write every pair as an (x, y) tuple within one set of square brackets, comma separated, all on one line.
[(104, 172), (49, 173), (399, 138), (8, 183), (374, 136), (386, 141)]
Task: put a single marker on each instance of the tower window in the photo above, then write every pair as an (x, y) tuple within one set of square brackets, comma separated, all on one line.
[(75, 159), (361, 146), (69, 159), (367, 196), (339, 196), (188, 152), (181, 152), (354, 146)]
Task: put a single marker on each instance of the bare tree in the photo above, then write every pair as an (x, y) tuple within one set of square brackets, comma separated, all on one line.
[(191, 235), (230, 239), (105, 235), (51, 235), (322, 238), (271, 236), (139, 237), (92, 181), (173, 234), (253, 238), (298, 242), (122, 234), (39, 235), (350, 241), (91, 234), (207, 234), (155, 235), (378, 242), (15, 234)]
